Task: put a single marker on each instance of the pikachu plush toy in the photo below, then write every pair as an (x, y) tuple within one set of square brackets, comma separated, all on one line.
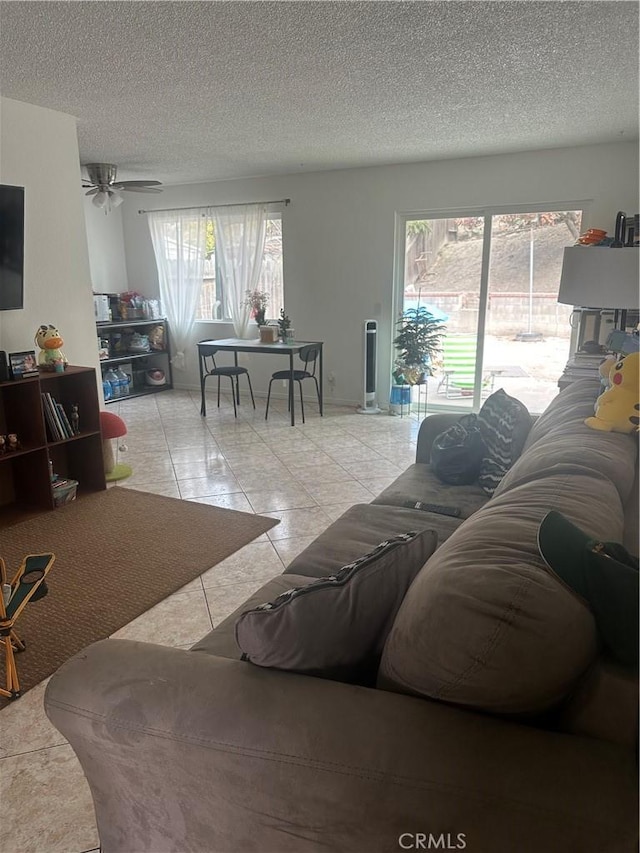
[(618, 408)]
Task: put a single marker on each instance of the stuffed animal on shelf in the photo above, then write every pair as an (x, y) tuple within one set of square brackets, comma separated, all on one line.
[(156, 338), (49, 340), (618, 408)]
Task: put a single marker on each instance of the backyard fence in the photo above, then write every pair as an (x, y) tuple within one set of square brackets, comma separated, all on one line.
[(507, 313)]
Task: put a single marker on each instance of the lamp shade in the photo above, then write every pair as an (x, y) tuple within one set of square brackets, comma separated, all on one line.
[(599, 277)]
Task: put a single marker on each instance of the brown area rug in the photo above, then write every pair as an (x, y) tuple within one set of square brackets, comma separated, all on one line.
[(118, 553)]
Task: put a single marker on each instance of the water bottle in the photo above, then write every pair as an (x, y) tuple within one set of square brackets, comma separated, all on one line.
[(123, 380), (112, 378), (107, 390)]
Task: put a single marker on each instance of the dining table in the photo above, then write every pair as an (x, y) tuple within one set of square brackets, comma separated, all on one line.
[(237, 345)]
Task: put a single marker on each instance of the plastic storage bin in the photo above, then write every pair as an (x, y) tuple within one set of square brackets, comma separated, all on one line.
[(64, 491)]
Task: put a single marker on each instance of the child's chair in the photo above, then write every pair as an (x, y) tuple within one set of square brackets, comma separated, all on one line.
[(27, 584), (459, 366)]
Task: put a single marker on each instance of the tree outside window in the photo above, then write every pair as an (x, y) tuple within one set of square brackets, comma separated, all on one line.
[(212, 296)]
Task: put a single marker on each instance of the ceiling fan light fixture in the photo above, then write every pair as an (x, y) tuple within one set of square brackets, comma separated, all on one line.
[(106, 191), (100, 199), (107, 200)]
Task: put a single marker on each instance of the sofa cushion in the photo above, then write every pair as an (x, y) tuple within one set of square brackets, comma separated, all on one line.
[(560, 442), (566, 410), (336, 626), (222, 640), (360, 529), (485, 624), (604, 704), (419, 483), (504, 426)]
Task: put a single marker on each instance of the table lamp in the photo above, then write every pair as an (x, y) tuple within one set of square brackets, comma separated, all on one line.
[(599, 277)]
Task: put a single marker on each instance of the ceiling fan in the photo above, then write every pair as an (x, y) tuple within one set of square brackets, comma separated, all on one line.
[(106, 190)]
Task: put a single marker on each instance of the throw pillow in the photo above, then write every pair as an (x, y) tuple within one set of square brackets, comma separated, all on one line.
[(504, 425), (604, 574), (457, 453), (337, 626)]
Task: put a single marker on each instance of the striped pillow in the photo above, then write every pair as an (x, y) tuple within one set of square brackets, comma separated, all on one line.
[(504, 425)]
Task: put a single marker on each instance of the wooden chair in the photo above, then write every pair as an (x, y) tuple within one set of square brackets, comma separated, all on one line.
[(309, 356), (28, 584), (459, 366), (232, 372)]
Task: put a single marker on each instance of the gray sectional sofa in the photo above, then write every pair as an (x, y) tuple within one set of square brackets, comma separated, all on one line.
[(496, 725)]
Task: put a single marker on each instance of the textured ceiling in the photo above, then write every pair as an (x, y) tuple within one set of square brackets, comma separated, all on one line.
[(193, 91)]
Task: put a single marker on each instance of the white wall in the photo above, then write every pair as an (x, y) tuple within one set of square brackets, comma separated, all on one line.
[(39, 151), (338, 236), (106, 249)]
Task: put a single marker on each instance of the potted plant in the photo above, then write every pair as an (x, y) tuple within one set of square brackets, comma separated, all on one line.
[(284, 327), (418, 343), (257, 301)]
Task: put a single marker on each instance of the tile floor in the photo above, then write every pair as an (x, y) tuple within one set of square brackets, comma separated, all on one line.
[(305, 476)]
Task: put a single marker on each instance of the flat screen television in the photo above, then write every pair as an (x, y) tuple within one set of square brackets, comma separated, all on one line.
[(11, 247)]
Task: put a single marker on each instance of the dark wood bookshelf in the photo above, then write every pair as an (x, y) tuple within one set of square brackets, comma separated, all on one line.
[(25, 483)]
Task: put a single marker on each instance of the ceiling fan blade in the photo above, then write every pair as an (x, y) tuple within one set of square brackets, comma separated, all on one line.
[(122, 184), (141, 189), (94, 191)]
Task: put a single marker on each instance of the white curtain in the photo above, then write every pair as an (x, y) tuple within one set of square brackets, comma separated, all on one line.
[(179, 243), (240, 232)]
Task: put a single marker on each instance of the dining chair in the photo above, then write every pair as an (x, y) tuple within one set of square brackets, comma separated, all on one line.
[(232, 372), (309, 355)]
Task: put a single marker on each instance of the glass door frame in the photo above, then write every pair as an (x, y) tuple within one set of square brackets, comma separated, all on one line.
[(487, 213)]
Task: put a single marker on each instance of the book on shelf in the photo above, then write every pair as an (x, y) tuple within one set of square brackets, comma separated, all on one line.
[(589, 358), (586, 368), (56, 417), (52, 424), (56, 414), (65, 420)]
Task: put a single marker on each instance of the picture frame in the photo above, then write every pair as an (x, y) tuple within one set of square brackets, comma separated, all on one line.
[(23, 364)]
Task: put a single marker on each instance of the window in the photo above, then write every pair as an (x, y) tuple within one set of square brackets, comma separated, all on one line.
[(212, 297)]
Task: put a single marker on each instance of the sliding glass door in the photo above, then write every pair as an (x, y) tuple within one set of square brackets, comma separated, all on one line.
[(527, 330), (493, 278)]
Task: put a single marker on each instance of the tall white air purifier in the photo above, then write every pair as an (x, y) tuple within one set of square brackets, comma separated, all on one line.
[(370, 404)]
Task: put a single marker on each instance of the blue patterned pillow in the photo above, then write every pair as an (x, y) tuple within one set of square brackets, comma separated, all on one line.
[(504, 425)]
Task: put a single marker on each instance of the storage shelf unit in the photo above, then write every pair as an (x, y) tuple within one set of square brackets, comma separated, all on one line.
[(25, 484), (140, 362)]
